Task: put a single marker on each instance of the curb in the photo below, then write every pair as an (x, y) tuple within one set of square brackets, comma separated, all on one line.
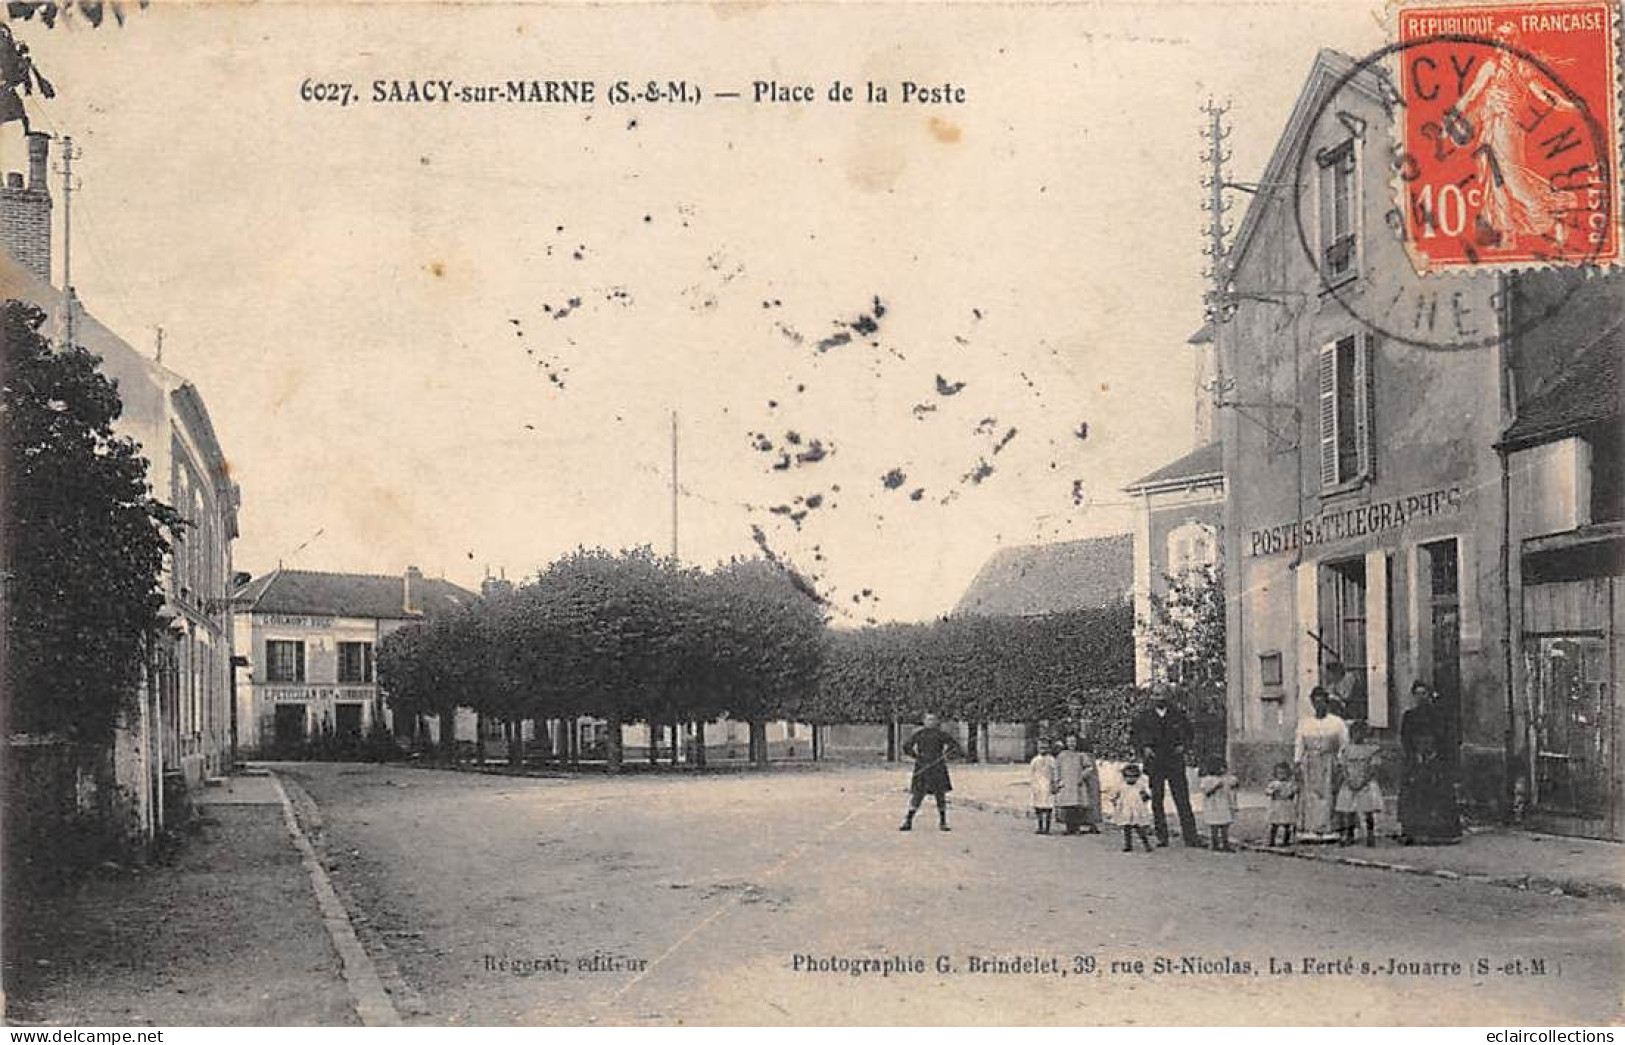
[(1578, 888), (372, 1002)]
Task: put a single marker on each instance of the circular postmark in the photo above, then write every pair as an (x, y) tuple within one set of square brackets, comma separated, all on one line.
[(1456, 182)]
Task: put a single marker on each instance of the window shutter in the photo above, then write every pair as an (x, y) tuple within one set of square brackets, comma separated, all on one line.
[(1376, 637), (1328, 415), (1362, 406)]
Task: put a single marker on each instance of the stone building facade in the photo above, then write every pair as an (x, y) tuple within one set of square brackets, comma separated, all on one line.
[(1364, 513)]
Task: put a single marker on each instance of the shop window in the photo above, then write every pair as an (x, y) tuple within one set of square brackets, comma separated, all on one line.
[(1346, 452), (284, 660), (355, 663)]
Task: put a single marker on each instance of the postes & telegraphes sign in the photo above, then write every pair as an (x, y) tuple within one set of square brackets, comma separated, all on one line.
[(1348, 523)]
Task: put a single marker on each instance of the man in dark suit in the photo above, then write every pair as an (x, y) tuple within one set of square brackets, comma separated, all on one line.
[(1162, 734)]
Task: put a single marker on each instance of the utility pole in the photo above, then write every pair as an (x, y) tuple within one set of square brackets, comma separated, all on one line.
[(158, 355), (69, 187), (1219, 300), (674, 494)]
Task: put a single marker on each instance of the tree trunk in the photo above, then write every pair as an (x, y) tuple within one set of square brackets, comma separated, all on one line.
[(654, 742), (891, 741), (817, 742), (699, 742), (758, 742), (448, 736), (676, 726), (516, 743), (987, 743), (612, 744), (971, 750), (479, 737)]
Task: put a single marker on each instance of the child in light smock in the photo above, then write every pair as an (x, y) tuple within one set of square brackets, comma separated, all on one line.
[(1131, 808), (1041, 777), (1359, 796), (1282, 791), (1218, 802)]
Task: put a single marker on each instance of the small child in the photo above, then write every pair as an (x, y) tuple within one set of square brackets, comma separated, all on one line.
[(1131, 808), (1360, 794), (1218, 802), (1282, 791), (1041, 775)]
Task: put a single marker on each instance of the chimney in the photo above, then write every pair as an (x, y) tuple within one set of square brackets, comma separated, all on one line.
[(25, 212), (39, 152), (409, 590)]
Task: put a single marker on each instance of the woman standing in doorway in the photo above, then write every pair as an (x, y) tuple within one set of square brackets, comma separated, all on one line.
[(1427, 788), (1315, 752)]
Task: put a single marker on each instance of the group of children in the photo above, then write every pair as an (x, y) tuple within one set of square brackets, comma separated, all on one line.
[(1359, 797)]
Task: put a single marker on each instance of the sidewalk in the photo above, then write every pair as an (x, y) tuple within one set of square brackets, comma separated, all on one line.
[(229, 933), (1491, 856)]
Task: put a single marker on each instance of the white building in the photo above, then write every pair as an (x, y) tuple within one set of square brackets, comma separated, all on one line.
[(310, 640), (181, 731)]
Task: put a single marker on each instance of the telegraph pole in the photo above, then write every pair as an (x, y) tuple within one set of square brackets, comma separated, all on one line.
[(674, 495), (1219, 300), (69, 153)]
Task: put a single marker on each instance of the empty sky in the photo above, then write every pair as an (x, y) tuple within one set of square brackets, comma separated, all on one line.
[(368, 296)]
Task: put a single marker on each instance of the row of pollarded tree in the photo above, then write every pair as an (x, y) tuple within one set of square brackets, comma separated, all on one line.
[(624, 638), (633, 637)]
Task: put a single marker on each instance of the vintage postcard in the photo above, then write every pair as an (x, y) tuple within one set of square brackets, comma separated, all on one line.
[(687, 514)]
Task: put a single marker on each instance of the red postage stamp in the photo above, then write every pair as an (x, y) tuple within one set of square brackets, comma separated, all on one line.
[(1509, 135)]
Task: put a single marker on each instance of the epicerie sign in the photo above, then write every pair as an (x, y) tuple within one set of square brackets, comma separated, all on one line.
[(1360, 521)]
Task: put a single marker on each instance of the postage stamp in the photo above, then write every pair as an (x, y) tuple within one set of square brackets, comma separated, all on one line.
[(1509, 135)]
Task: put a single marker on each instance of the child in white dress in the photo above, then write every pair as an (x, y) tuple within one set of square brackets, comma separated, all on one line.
[(1359, 795), (1218, 802), (1041, 777), (1282, 792), (1131, 808)]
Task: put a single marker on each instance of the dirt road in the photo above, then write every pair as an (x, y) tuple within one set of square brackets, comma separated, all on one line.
[(665, 900)]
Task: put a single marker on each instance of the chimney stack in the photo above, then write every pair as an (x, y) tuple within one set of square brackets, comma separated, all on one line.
[(39, 152), (409, 590), (25, 211)]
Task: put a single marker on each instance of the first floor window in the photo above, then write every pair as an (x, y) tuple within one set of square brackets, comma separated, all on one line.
[(284, 660), (355, 663), (1345, 373)]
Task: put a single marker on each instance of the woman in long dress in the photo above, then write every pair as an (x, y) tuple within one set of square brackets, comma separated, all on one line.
[(1427, 787), (1315, 752)]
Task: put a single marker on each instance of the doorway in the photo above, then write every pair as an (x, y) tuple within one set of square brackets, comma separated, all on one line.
[(1573, 724), (1439, 564), (289, 726), (347, 721), (1343, 629)]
